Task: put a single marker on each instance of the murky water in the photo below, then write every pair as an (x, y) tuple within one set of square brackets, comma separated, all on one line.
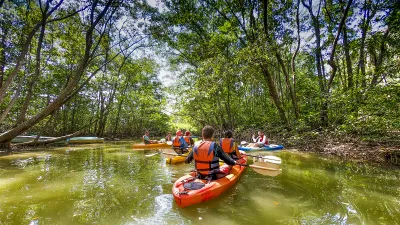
[(114, 184)]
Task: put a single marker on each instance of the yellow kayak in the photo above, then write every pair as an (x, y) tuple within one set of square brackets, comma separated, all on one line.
[(178, 159), (158, 145)]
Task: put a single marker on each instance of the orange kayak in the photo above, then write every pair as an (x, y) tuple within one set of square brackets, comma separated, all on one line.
[(185, 197), (158, 145)]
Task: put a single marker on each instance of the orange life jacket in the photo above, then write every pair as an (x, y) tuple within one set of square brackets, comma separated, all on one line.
[(187, 139), (176, 143), (227, 144), (204, 158)]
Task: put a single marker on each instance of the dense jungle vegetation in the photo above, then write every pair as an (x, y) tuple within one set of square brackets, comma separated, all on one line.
[(284, 66)]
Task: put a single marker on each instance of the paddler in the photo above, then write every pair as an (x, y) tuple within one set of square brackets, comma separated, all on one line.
[(189, 140), (229, 146), (206, 155), (260, 141), (168, 137), (146, 139), (179, 144)]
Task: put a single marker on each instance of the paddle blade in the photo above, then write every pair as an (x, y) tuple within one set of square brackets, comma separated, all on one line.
[(169, 153), (272, 172), (169, 156), (268, 161), (152, 154), (272, 159)]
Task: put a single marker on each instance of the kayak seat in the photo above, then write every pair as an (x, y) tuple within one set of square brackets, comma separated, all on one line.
[(193, 185)]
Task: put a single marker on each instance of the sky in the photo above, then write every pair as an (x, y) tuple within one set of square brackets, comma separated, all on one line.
[(165, 75)]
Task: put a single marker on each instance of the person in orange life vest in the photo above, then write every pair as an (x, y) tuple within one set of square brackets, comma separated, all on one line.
[(260, 141), (206, 155), (229, 146), (179, 143), (188, 139), (168, 137), (146, 139)]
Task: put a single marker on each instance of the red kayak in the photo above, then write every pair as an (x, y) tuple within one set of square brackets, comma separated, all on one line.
[(184, 194)]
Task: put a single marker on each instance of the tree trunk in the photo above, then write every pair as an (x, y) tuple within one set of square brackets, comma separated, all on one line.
[(288, 84), (3, 52), (348, 60), (318, 59), (368, 14), (274, 94), (33, 78), (379, 60), (297, 109), (12, 102), (49, 141)]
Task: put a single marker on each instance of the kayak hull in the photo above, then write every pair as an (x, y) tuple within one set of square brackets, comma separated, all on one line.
[(266, 148), (158, 145), (184, 197), (85, 140), (178, 159)]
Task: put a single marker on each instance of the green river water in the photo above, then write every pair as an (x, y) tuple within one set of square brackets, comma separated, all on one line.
[(115, 184)]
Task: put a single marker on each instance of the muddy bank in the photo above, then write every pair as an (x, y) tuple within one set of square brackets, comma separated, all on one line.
[(381, 151)]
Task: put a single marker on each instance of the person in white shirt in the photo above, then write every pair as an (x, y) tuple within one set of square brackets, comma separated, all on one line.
[(260, 141)]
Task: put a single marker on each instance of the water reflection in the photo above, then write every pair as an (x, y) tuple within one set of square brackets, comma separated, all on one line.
[(114, 184)]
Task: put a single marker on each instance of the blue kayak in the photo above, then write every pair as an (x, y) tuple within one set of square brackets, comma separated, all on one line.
[(265, 148)]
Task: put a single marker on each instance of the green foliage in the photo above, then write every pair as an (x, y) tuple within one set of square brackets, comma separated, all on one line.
[(221, 50), (117, 94)]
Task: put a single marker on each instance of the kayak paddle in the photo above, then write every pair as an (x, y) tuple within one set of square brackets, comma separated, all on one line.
[(272, 172), (153, 154), (269, 161), (170, 153)]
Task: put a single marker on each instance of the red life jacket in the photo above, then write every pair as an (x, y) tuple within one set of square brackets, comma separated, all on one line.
[(262, 138), (227, 144), (204, 158), (168, 138)]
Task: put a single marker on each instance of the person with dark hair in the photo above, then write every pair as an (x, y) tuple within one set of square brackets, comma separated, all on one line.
[(260, 141), (229, 146), (206, 155), (179, 143), (146, 139), (168, 137), (188, 139)]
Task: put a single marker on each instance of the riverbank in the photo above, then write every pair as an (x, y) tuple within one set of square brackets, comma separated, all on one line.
[(384, 150), (372, 149)]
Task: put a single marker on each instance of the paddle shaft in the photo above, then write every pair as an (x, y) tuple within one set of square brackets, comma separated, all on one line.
[(175, 154), (258, 167)]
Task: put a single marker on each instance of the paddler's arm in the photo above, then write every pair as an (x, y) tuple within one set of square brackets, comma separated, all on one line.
[(191, 142), (222, 155), (255, 139), (189, 158)]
